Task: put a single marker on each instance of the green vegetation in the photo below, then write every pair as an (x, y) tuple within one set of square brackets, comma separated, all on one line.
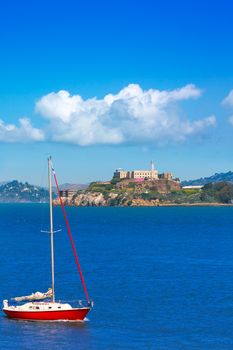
[(221, 192), (124, 193), (114, 181), (99, 187), (132, 185), (152, 195)]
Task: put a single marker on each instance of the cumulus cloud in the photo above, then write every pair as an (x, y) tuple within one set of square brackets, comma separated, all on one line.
[(228, 100), (25, 132), (131, 116)]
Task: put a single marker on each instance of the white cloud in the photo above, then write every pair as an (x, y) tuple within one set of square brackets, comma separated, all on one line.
[(25, 132), (231, 120), (130, 116), (228, 100)]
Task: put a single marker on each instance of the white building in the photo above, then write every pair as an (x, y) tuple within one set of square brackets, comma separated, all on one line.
[(137, 174)]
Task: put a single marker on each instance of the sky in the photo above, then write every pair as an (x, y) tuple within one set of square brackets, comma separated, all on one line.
[(106, 84)]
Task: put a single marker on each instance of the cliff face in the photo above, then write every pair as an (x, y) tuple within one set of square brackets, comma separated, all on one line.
[(95, 199), (87, 199), (123, 193)]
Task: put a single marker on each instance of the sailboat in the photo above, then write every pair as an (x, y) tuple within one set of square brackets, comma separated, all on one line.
[(43, 306)]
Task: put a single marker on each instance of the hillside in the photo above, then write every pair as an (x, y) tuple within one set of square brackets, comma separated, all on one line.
[(18, 192), (217, 177), (123, 193), (150, 193)]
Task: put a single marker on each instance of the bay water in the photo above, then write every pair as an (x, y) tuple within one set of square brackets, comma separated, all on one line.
[(160, 278)]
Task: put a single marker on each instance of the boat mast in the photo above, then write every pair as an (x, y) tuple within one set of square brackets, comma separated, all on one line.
[(51, 223)]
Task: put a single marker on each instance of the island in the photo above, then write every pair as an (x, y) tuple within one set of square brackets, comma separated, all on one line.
[(149, 188), (129, 189)]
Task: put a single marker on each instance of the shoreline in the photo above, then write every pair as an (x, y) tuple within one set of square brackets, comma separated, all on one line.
[(196, 205), (134, 206), (154, 206)]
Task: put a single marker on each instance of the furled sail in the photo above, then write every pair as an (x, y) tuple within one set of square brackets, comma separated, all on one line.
[(35, 296)]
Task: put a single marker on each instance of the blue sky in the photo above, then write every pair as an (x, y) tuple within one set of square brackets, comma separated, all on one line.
[(178, 55)]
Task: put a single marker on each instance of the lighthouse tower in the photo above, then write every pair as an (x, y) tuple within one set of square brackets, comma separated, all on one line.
[(154, 173), (152, 169), (152, 165)]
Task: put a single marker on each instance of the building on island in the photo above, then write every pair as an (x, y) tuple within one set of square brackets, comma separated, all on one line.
[(141, 174), (137, 174), (67, 193), (144, 174), (166, 176), (121, 174), (69, 190), (193, 187)]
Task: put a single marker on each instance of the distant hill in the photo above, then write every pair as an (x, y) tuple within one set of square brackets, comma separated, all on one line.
[(18, 192), (217, 177), (68, 186)]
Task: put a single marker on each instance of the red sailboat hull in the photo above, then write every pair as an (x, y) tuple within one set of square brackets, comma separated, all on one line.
[(77, 314)]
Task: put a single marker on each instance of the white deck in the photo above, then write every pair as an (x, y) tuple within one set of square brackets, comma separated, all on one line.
[(39, 306)]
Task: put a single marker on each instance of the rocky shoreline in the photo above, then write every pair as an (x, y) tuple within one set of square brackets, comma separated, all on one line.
[(99, 201)]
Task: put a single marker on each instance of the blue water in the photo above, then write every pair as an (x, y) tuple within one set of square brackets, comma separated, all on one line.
[(161, 278)]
